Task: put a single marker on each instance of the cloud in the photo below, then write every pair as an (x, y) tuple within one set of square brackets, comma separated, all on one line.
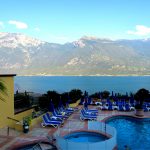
[(140, 30), (37, 29), (18, 24), (1, 24)]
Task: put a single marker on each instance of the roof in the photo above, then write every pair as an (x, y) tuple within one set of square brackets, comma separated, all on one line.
[(7, 75)]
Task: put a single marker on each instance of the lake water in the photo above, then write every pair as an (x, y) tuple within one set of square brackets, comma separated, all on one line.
[(92, 84)]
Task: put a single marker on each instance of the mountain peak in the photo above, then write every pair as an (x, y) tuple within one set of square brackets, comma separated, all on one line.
[(91, 38), (14, 39)]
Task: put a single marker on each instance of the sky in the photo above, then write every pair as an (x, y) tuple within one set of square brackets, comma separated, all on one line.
[(61, 21)]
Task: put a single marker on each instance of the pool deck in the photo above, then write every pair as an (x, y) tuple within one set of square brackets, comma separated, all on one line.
[(39, 133)]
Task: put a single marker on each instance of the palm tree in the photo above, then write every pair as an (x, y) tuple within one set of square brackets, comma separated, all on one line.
[(2, 90)]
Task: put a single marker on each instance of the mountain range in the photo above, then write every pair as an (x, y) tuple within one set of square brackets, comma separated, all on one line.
[(25, 55)]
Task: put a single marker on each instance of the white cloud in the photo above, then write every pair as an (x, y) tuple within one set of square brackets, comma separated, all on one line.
[(37, 29), (1, 24), (140, 30), (18, 24)]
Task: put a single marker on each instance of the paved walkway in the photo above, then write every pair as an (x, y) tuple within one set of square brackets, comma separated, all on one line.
[(39, 133)]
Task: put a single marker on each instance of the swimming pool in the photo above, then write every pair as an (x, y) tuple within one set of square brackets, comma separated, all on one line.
[(132, 132), (94, 136), (85, 137)]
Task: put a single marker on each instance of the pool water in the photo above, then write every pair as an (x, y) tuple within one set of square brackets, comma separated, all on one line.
[(132, 132), (85, 137)]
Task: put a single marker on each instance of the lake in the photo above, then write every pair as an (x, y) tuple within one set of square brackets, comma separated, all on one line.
[(92, 84)]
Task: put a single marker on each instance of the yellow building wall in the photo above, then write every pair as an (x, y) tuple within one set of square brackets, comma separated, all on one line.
[(7, 106), (74, 104), (19, 117), (7, 116)]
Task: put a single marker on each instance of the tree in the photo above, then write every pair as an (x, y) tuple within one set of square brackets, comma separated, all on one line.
[(141, 95), (105, 94), (75, 94), (22, 100), (3, 90)]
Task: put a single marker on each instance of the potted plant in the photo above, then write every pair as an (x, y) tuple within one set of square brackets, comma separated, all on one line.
[(26, 123), (140, 97)]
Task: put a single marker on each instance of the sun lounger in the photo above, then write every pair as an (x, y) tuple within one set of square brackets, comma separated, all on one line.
[(110, 107), (84, 116), (121, 107), (91, 110), (53, 118), (127, 107), (46, 122), (63, 116)]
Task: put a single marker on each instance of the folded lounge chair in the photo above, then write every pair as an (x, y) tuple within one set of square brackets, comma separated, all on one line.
[(46, 122)]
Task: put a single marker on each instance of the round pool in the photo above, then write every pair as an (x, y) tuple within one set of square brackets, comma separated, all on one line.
[(85, 136), (133, 132)]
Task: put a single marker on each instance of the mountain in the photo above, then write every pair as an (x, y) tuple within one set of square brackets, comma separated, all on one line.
[(88, 56)]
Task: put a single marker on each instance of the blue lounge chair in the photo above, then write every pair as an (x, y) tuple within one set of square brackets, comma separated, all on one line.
[(110, 107), (56, 114), (71, 108), (104, 107), (127, 107), (84, 116), (120, 107), (51, 118), (46, 122), (145, 108), (61, 110), (90, 110)]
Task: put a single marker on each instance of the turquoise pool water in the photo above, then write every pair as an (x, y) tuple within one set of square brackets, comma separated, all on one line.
[(85, 137), (132, 132)]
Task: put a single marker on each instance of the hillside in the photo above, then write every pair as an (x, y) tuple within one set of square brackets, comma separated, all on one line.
[(87, 56)]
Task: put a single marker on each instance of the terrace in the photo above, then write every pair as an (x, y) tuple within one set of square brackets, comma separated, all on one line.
[(11, 139)]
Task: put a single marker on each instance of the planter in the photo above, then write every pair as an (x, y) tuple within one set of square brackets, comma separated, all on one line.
[(139, 112)]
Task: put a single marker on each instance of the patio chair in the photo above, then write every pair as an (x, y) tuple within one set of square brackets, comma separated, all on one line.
[(121, 107), (71, 108), (63, 110), (145, 108), (51, 118), (84, 116), (127, 107), (104, 107), (62, 116), (90, 110), (110, 107), (46, 122)]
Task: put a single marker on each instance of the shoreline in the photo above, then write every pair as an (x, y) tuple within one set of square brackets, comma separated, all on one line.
[(85, 75)]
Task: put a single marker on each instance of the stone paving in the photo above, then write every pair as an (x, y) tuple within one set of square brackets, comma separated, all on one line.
[(39, 133)]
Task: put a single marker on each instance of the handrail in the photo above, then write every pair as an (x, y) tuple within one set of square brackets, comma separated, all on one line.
[(13, 119)]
